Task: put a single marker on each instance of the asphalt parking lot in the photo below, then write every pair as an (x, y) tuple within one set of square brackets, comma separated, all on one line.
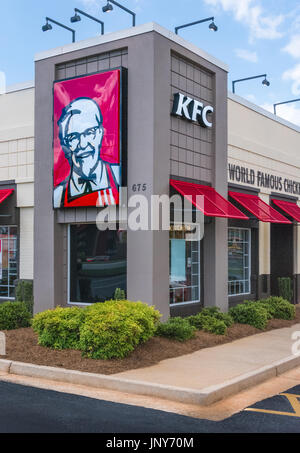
[(31, 410)]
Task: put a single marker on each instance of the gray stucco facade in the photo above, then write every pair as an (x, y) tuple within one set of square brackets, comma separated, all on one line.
[(159, 147)]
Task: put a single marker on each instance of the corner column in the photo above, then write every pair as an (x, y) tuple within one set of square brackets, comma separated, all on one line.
[(264, 267), (148, 163), (216, 233), (297, 263)]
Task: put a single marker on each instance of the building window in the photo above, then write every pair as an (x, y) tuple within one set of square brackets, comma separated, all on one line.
[(97, 263), (184, 267), (239, 251), (8, 261)]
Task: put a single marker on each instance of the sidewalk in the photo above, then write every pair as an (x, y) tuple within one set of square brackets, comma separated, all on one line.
[(201, 378), (213, 366)]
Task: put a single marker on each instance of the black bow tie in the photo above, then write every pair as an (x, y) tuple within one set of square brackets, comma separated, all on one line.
[(85, 179), (88, 182)]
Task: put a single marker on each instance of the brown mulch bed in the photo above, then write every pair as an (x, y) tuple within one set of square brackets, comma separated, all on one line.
[(22, 346)]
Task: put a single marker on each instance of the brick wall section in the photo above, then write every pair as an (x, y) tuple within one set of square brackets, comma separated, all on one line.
[(192, 146), (17, 159), (89, 65)]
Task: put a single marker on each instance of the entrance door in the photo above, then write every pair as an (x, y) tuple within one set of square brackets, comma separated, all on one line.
[(282, 254)]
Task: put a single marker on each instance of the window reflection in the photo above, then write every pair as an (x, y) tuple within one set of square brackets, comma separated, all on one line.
[(98, 263), (9, 262), (238, 261), (184, 266)]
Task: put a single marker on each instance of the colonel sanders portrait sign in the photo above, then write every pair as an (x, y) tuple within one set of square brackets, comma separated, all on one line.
[(87, 153)]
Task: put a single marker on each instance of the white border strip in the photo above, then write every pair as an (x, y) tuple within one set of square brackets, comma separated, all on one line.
[(261, 111), (133, 31), (20, 86)]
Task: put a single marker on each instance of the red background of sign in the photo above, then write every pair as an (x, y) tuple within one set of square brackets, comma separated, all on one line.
[(104, 88)]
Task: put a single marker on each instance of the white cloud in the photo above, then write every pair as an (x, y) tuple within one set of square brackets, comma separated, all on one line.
[(247, 55), (251, 98), (289, 112), (293, 48), (91, 5), (250, 13), (293, 75)]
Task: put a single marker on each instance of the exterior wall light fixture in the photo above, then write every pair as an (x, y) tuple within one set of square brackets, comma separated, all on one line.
[(282, 103), (265, 82), (48, 27), (212, 25), (109, 7), (77, 18)]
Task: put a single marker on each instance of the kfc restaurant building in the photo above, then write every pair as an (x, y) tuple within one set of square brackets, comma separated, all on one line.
[(264, 181), (16, 187), (146, 110)]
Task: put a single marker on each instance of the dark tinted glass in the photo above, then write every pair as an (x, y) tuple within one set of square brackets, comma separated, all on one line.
[(98, 263)]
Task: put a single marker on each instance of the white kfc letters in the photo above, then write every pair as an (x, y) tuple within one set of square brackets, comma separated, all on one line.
[(192, 109)]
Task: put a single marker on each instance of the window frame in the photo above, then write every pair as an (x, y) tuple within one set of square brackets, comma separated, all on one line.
[(199, 273), (249, 265), (80, 304), (17, 259)]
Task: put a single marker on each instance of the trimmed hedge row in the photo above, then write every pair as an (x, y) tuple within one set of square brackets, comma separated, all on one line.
[(115, 328), (178, 329), (209, 320), (257, 314)]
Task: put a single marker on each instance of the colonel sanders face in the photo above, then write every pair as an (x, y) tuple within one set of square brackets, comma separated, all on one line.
[(81, 135)]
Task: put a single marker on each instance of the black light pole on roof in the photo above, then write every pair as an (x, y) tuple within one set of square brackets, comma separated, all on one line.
[(212, 26), (265, 82), (282, 103), (48, 27), (77, 18), (107, 8)]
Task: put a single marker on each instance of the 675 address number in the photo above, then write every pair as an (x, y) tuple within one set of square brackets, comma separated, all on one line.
[(139, 187)]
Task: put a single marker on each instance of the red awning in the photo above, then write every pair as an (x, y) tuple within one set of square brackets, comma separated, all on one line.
[(259, 208), (5, 193), (210, 202), (292, 209)]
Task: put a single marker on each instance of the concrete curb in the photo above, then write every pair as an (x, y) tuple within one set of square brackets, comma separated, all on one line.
[(203, 397), (5, 365)]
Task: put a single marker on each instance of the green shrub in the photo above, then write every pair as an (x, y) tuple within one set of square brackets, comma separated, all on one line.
[(211, 320), (119, 294), (215, 326), (276, 307), (197, 321), (281, 309), (102, 331), (251, 314), (24, 293), (14, 315), (176, 329), (144, 315), (262, 304), (285, 288), (113, 329), (59, 328), (108, 334), (217, 314)]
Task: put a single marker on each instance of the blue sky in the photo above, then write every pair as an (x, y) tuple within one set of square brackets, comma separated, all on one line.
[(254, 37)]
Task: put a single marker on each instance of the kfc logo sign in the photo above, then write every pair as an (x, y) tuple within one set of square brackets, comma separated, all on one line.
[(192, 110), (87, 151)]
